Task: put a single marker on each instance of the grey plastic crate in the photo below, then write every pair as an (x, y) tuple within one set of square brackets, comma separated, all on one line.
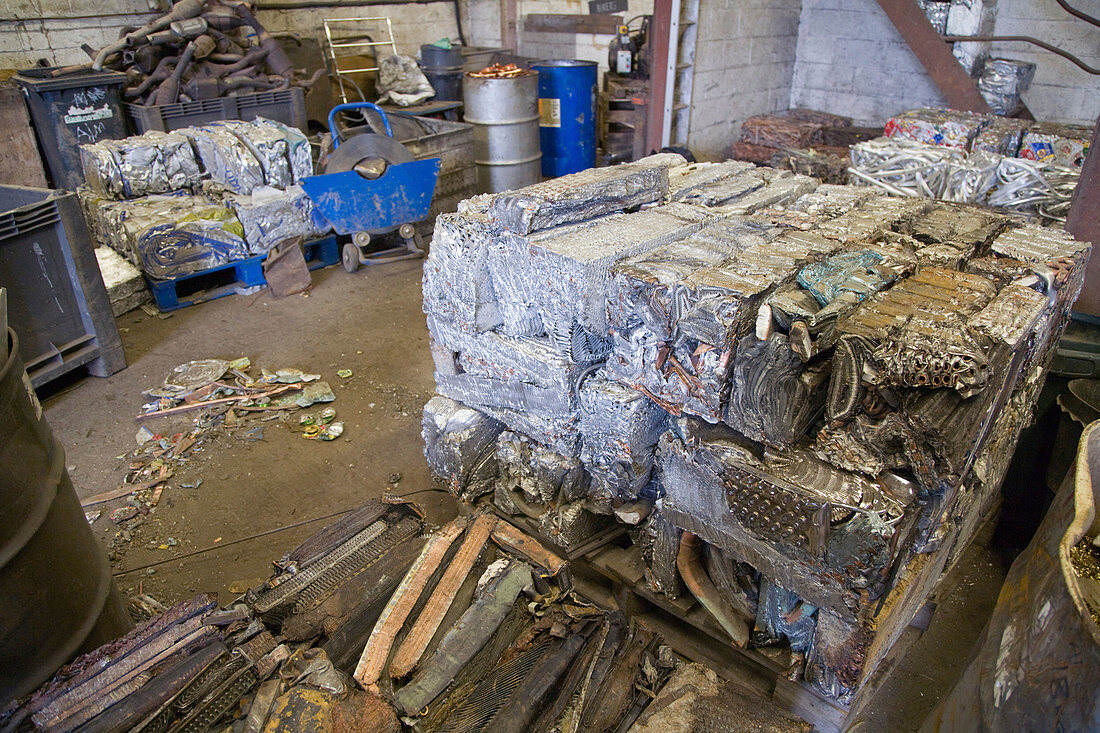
[(57, 303), (285, 105), (453, 144)]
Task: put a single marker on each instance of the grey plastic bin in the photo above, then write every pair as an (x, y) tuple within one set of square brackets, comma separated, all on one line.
[(57, 303)]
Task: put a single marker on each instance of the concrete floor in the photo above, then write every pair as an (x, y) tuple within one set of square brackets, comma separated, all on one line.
[(371, 323)]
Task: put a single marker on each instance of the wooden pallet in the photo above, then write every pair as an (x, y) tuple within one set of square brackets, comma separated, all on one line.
[(592, 544), (614, 577)]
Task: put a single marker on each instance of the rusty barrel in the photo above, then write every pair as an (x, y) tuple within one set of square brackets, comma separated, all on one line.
[(58, 598)]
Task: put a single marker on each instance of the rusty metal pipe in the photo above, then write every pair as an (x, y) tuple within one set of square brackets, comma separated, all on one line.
[(182, 10), (169, 90), (701, 586), (159, 74)]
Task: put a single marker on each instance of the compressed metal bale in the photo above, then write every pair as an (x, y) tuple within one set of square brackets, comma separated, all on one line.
[(741, 195), (155, 162), (782, 615), (460, 445), (619, 431), (774, 396), (542, 475), (659, 542), (270, 216), (687, 320), (819, 531), (585, 195), (457, 284), (555, 280), (268, 145), (226, 159), (684, 180)]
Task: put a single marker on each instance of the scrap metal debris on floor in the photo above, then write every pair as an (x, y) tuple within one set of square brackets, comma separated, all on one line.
[(370, 623), (226, 400)]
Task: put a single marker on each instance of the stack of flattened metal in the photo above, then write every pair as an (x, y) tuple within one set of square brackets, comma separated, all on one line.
[(804, 398), (473, 627)]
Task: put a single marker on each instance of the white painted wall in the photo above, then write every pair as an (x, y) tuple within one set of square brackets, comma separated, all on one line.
[(744, 61), (852, 61), (1060, 90)]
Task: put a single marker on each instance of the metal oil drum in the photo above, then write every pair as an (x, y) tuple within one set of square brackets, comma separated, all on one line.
[(505, 115), (58, 598), (567, 115)]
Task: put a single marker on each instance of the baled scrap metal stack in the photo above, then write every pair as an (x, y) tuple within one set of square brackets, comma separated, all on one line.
[(793, 140), (933, 365), (516, 291), (824, 384), (185, 201)]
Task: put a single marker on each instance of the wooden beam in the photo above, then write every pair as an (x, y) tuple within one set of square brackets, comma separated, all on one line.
[(660, 40), (1084, 224), (935, 56), (508, 15), (569, 23)]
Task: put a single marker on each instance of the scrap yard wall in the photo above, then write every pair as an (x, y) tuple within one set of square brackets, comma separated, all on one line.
[(851, 60), (55, 29)]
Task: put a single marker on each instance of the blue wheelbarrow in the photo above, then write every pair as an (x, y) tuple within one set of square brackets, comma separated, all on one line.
[(371, 186)]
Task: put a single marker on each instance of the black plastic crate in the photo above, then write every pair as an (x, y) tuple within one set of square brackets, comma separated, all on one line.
[(70, 111), (285, 105), (57, 303)]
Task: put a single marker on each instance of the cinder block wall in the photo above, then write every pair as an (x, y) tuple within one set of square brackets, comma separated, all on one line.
[(852, 61), (744, 61), (1060, 90)]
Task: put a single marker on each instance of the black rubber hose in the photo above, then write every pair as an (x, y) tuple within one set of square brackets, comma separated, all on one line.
[(1028, 39), (1077, 13)]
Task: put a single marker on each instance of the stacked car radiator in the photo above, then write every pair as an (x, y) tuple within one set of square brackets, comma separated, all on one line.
[(823, 384), (471, 627)]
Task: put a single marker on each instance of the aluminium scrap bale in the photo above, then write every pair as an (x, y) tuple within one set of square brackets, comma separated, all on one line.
[(585, 195), (155, 162), (619, 431), (268, 146), (226, 159), (497, 370), (670, 339), (555, 281), (270, 215), (457, 284), (460, 445)]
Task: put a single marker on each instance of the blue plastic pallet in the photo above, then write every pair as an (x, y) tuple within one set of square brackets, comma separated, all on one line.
[(217, 282)]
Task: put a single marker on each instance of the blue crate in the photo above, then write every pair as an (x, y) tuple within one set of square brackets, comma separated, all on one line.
[(217, 282)]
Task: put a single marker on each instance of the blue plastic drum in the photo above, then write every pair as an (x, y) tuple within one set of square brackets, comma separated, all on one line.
[(567, 115)]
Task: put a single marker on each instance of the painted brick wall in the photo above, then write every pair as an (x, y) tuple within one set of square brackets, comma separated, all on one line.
[(1060, 90), (744, 61), (851, 60)]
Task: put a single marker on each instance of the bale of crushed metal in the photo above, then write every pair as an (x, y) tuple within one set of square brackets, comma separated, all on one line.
[(555, 281), (460, 445), (619, 431), (586, 195)]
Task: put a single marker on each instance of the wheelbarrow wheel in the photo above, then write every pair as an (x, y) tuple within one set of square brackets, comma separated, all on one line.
[(351, 257)]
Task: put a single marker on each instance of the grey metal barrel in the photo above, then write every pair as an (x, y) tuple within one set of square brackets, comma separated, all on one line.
[(505, 115), (58, 597)]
